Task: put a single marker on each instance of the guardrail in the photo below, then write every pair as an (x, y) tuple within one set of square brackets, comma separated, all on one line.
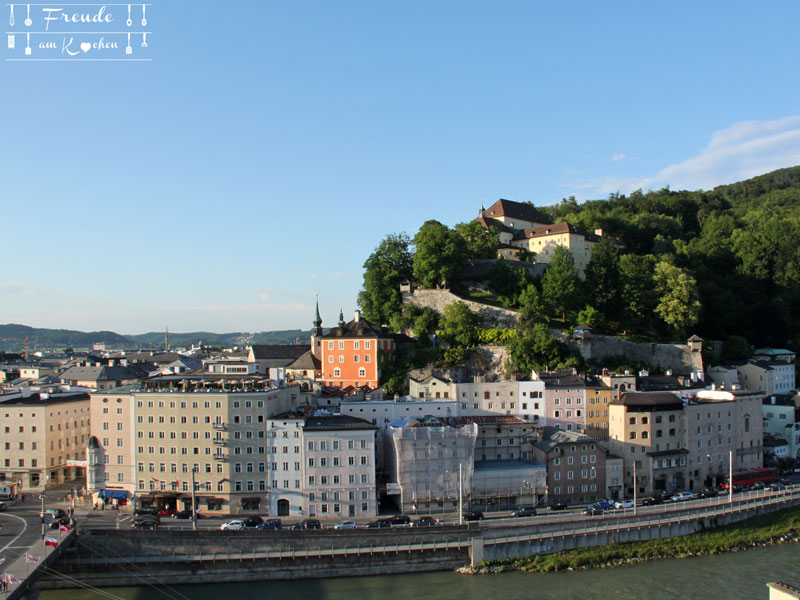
[(487, 531)]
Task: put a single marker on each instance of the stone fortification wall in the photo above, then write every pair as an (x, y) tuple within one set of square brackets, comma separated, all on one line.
[(678, 357)]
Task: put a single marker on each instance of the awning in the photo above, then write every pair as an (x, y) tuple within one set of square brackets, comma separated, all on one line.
[(114, 494)]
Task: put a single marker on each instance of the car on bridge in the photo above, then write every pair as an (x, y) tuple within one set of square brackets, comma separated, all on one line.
[(622, 504), (380, 523), (682, 496), (558, 506), (3, 506), (473, 515), (234, 525), (524, 511), (346, 525), (425, 522)]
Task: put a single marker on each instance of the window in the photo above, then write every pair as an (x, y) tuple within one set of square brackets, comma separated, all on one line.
[(362, 372)]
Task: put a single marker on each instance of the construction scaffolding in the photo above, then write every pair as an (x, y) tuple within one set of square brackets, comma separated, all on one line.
[(430, 462)]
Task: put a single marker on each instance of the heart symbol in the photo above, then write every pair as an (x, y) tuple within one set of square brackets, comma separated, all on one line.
[(85, 46)]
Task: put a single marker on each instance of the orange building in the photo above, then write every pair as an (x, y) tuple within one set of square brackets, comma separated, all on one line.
[(352, 353)]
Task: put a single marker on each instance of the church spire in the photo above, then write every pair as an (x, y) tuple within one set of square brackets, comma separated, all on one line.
[(341, 318), (317, 329), (482, 211)]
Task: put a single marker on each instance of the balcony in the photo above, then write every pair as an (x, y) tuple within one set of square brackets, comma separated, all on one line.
[(220, 426), (220, 457), (219, 442)]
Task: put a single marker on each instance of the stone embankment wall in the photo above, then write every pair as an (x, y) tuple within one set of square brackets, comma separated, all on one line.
[(678, 357)]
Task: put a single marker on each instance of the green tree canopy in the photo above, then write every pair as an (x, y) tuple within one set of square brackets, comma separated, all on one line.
[(603, 279), (440, 251), (386, 268), (678, 303), (561, 283), (535, 348), (459, 325), (480, 242)]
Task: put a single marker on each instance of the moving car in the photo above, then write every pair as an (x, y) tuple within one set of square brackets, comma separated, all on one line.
[(56, 523), (652, 501), (558, 506), (621, 504), (310, 524), (148, 518), (708, 493), (425, 522), (380, 523), (593, 511), (53, 513), (145, 524), (346, 525), (166, 511), (3, 506), (775, 487), (682, 496), (145, 510), (400, 520), (235, 525), (758, 485), (184, 514), (253, 522), (473, 515), (524, 511), (270, 524)]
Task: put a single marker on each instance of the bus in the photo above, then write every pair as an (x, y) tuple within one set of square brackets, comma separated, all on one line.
[(747, 478)]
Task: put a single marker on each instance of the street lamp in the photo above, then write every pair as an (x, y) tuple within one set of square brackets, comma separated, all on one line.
[(41, 497)]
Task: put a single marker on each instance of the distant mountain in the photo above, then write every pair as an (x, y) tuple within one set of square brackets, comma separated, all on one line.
[(41, 339), (56, 338)]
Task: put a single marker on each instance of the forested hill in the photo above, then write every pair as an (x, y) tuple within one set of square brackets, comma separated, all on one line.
[(739, 242)]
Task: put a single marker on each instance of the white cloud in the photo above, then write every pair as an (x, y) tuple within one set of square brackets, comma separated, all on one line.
[(741, 151), (618, 157)]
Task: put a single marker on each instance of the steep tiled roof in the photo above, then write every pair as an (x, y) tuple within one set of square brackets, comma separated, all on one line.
[(360, 328), (273, 351), (649, 399), (499, 225), (307, 361), (516, 210), (102, 373), (556, 229)]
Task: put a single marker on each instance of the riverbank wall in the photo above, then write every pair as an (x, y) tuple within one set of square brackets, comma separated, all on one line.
[(111, 558)]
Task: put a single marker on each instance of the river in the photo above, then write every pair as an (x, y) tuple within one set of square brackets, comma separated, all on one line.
[(732, 576)]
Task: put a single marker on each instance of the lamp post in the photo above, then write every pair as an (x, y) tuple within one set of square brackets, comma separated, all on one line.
[(194, 503), (41, 497), (730, 477), (460, 496), (635, 486)]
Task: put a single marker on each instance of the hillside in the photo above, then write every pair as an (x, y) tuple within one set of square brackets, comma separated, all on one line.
[(64, 338)]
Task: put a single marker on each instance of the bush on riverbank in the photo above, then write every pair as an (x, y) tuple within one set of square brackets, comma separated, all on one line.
[(778, 527)]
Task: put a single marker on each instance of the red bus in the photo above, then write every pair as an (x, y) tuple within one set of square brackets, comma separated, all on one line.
[(747, 478)]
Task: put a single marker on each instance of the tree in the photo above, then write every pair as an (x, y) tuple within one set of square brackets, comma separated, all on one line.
[(439, 254), (532, 307), (603, 280), (479, 241), (459, 325), (678, 303), (590, 316), (560, 283), (389, 265), (638, 297), (535, 348)]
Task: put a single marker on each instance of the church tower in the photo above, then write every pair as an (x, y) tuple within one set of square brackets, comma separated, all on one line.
[(316, 332)]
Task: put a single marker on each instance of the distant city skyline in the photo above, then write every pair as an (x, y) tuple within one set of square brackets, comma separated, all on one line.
[(270, 146)]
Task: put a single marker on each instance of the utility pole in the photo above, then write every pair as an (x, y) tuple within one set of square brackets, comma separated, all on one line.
[(730, 477), (194, 505), (41, 496), (460, 497), (635, 486)]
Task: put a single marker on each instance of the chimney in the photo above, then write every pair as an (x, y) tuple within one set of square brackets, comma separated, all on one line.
[(357, 316)]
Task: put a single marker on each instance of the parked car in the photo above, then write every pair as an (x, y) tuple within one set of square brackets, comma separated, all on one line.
[(145, 524), (622, 504), (235, 525), (758, 485), (270, 524), (184, 514), (605, 504), (594, 511), (145, 510), (56, 523), (738, 488), (253, 522), (473, 515), (708, 493), (166, 511), (558, 506), (652, 501), (425, 522), (398, 520), (524, 511), (682, 496), (147, 517), (3, 506), (775, 487), (380, 523), (346, 525), (311, 524), (53, 513)]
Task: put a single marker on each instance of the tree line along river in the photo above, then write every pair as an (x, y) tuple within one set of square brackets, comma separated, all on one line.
[(732, 576)]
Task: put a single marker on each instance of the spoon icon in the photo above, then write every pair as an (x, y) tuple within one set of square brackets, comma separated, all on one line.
[(28, 21), (129, 16), (144, 15), (144, 39), (11, 18)]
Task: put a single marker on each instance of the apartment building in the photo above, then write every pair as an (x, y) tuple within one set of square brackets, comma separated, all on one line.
[(113, 426), (576, 469), (43, 439), (598, 395), (340, 473), (285, 458), (565, 401)]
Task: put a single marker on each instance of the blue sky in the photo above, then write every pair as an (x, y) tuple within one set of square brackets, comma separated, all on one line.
[(269, 146)]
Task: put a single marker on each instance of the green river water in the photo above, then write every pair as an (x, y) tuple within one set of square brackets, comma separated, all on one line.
[(736, 575)]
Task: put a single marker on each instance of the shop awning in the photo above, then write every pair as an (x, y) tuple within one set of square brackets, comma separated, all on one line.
[(114, 494)]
